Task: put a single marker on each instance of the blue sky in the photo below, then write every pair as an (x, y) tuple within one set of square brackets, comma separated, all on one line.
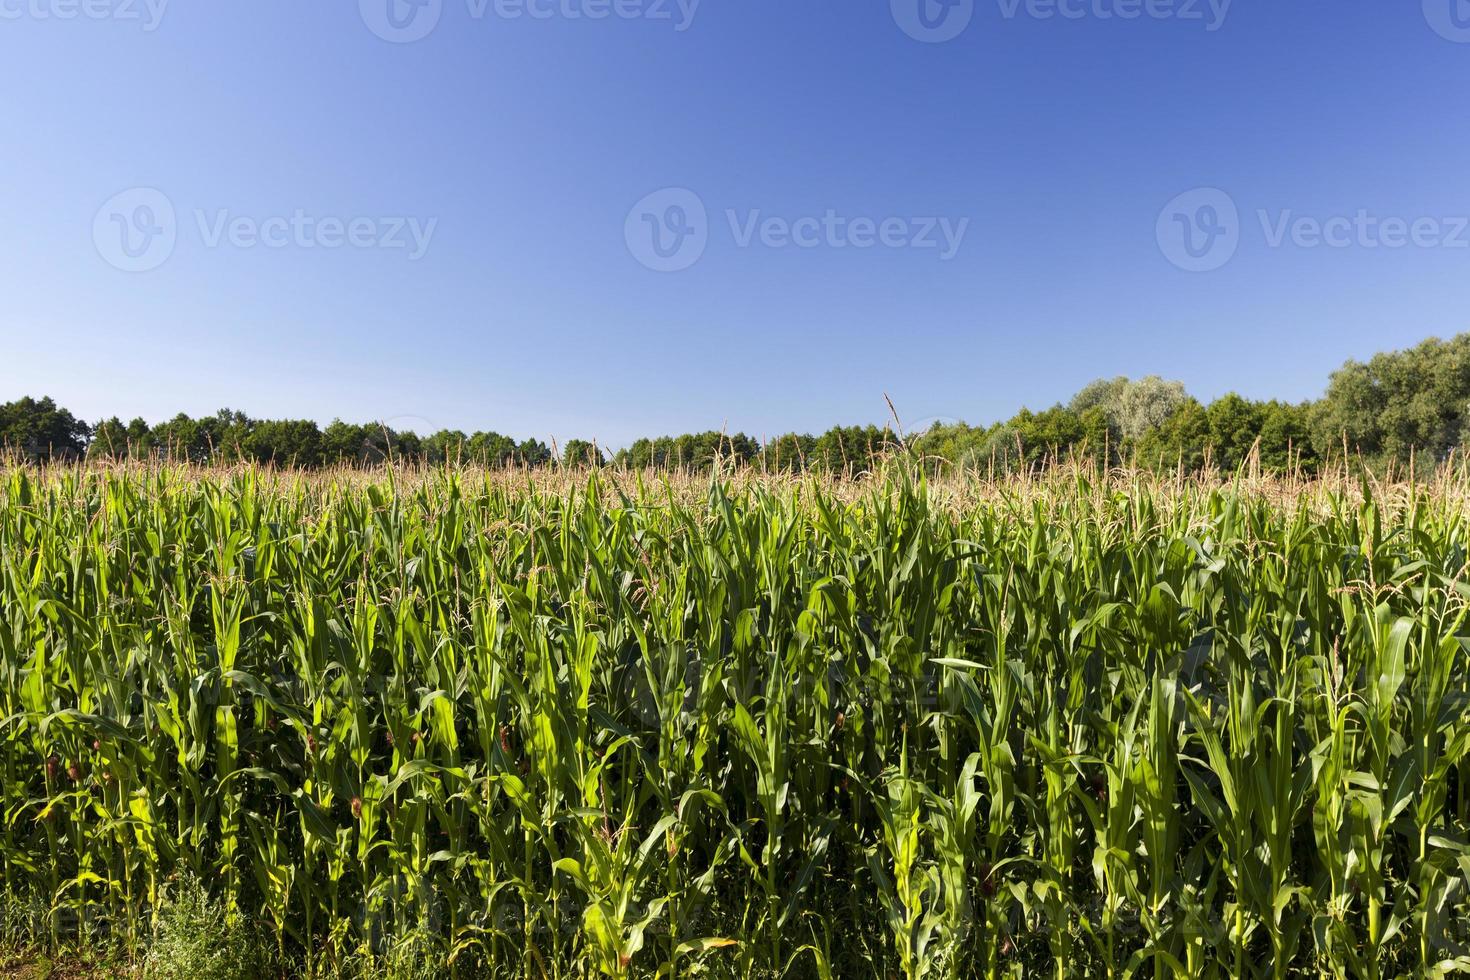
[(297, 149)]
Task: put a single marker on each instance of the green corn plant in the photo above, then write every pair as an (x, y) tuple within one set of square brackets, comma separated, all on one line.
[(485, 723), (909, 881)]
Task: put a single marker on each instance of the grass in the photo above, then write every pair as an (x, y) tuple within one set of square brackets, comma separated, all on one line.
[(410, 723)]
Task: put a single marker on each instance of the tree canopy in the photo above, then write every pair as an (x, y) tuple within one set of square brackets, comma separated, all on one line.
[(1399, 406)]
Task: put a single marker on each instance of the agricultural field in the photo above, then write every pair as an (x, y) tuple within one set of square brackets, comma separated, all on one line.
[(485, 724)]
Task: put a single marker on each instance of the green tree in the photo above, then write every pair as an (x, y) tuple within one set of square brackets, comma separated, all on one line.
[(183, 439), (109, 440), (286, 443), (1132, 409), (1234, 426), (227, 433), (1106, 394), (38, 428), (1033, 439), (691, 451), (1147, 405), (492, 449), (852, 449), (790, 453), (580, 452), (369, 444), (1286, 440), (1181, 440), (1399, 404), (446, 445)]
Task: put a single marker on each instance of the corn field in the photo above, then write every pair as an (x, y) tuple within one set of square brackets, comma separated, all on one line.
[(1084, 725)]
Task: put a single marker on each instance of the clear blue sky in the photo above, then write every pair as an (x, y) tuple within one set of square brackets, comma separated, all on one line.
[(527, 142)]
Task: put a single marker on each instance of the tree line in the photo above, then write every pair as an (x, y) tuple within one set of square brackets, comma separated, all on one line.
[(1398, 406)]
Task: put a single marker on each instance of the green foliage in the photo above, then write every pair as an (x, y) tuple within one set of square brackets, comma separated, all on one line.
[(343, 442), (1233, 428), (580, 452), (1133, 408), (1057, 433), (293, 443), (851, 449), (112, 440), (1286, 441), (1400, 406), (195, 938), (791, 453), (689, 452), (1399, 403), (1180, 440), (456, 723), (39, 429), (23, 921)]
